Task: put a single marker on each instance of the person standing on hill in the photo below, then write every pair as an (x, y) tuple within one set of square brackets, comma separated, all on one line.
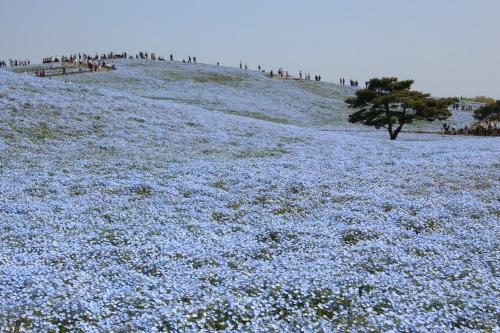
[(171, 57), (241, 65)]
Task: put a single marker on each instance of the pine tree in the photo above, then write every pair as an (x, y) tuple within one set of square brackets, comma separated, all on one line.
[(390, 103), (489, 112)]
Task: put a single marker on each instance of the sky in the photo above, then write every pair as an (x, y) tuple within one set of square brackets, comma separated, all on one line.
[(449, 47)]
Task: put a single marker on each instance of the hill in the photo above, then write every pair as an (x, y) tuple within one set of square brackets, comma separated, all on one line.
[(175, 197)]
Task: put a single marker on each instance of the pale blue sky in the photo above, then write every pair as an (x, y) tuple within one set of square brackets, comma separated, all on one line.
[(450, 47)]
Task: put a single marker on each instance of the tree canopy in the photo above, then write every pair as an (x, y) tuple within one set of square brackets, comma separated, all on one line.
[(490, 112), (390, 103)]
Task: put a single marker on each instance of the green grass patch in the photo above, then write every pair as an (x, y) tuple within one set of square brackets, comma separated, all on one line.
[(256, 115), (480, 99), (261, 153), (41, 132), (138, 120)]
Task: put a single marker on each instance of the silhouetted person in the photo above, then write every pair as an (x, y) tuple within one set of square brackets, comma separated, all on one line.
[(446, 127)]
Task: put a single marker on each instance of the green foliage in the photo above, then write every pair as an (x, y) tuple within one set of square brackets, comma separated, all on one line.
[(41, 132), (490, 112), (390, 103), (481, 99), (143, 191), (354, 236)]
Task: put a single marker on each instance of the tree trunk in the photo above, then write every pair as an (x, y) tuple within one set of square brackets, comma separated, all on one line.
[(394, 134), (391, 134), (401, 123)]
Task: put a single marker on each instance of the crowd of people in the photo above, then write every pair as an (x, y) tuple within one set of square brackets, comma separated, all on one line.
[(352, 83), (93, 60), (307, 76), (93, 63), (285, 74), (482, 128), (191, 60), (145, 55), (83, 57), (15, 63), (79, 61), (463, 107)]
